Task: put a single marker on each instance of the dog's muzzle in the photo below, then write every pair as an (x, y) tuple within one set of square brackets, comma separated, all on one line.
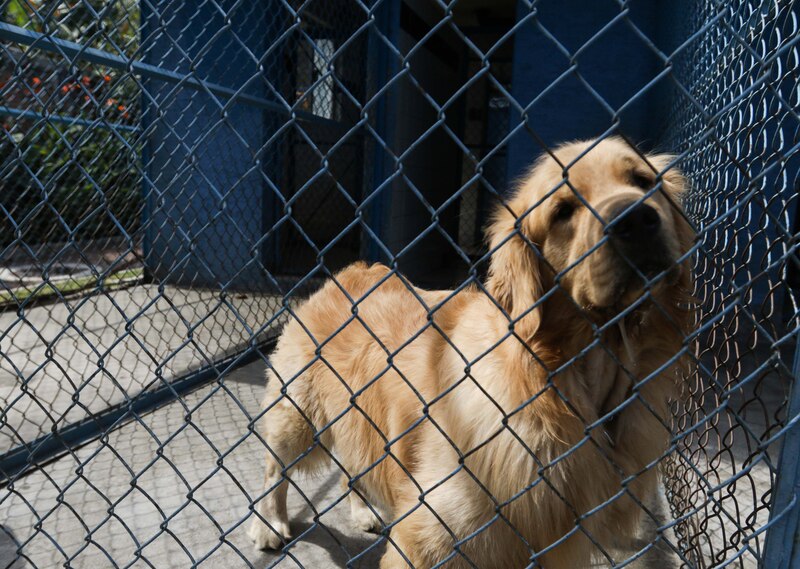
[(635, 232)]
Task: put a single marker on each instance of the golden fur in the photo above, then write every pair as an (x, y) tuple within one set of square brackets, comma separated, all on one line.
[(441, 412)]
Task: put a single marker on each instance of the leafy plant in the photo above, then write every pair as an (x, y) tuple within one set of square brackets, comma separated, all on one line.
[(73, 176)]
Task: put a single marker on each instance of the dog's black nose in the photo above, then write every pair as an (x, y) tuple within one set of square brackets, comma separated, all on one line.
[(640, 223), (635, 233)]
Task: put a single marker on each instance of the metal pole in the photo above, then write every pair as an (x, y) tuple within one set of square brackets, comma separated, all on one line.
[(781, 550)]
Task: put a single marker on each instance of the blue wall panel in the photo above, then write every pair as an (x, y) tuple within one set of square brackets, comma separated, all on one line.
[(206, 188), (615, 63)]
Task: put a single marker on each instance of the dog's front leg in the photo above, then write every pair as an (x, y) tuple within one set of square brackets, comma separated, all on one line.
[(419, 541), (362, 516), (411, 555)]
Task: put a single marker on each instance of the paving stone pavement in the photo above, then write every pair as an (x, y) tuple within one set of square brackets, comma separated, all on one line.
[(198, 488), (62, 361)]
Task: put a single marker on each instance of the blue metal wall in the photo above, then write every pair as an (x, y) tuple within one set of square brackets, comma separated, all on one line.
[(209, 174), (579, 68)]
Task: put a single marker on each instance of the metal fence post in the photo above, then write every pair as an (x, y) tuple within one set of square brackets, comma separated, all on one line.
[(781, 549), (382, 66)]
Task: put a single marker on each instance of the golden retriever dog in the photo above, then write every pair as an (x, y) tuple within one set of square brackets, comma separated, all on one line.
[(510, 424)]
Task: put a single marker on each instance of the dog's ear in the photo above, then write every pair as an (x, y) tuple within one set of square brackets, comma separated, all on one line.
[(673, 179), (675, 186), (514, 279)]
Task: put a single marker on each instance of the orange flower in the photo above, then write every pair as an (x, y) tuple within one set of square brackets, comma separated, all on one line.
[(65, 88), (86, 80), (107, 78), (37, 81), (121, 108)]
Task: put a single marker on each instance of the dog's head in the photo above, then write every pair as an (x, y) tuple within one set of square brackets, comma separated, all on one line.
[(596, 220)]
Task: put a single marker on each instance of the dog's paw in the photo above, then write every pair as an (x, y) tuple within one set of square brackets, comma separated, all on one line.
[(265, 537), (364, 520)]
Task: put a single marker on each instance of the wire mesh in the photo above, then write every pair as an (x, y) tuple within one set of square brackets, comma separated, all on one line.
[(743, 202), (179, 176)]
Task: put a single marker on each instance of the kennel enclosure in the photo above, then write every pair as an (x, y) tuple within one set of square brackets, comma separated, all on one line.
[(176, 176)]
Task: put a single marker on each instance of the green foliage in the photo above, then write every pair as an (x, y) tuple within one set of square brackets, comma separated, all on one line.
[(77, 20), (63, 181), (68, 182)]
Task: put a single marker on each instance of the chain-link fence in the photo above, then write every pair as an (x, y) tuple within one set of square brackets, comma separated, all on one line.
[(603, 380)]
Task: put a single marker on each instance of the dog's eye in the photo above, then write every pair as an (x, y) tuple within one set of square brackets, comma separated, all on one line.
[(563, 211), (642, 181)]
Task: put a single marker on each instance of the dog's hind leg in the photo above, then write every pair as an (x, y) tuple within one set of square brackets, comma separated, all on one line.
[(288, 436)]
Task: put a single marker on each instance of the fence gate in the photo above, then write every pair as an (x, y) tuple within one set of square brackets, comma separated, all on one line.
[(176, 177)]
